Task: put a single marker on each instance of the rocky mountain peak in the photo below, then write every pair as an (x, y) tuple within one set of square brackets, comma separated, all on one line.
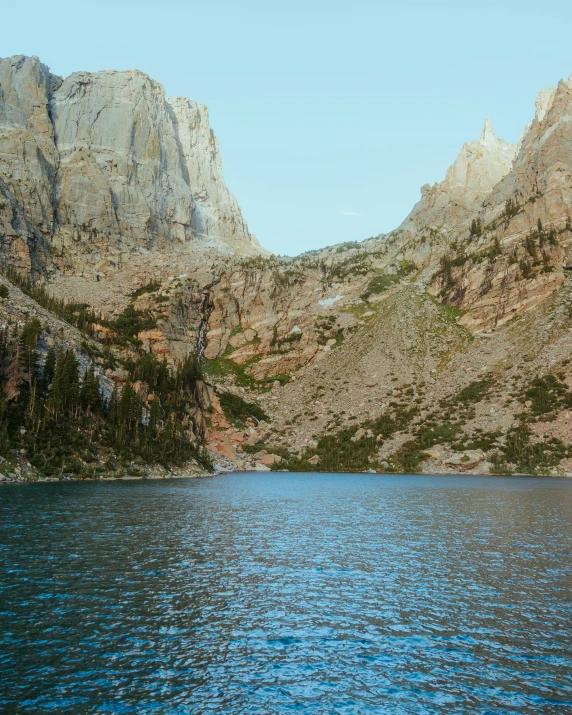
[(487, 134), (481, 164), (102, 164), (478, 167)]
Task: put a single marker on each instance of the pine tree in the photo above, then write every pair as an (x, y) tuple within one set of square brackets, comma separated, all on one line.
[(155, 414), (71, 380), (13, 370), (65, 392), (113, 406), (29, 356), (55, 399), (130, 408), (190, 372), (90, 396), (49, 366), (164, 376), (5, 349), (32, 402), (476, 228)]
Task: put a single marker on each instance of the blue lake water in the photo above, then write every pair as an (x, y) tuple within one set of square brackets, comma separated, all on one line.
[(287, 593)]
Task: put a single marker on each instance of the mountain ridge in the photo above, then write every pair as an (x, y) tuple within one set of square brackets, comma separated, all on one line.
[(443, 346)]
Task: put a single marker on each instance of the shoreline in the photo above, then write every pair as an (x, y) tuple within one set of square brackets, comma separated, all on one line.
[(216, 473)]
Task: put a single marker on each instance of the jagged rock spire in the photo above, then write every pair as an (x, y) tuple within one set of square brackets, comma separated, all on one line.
[(488, 132)]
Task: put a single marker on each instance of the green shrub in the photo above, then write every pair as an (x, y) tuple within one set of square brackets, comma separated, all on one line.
[(130, 323), (238, 410), (547, 394), (341, 451), (528, 457), (381, 282), (150, 287), (474, 392)]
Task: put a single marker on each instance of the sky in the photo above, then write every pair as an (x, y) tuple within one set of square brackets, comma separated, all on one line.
[(331, 115)]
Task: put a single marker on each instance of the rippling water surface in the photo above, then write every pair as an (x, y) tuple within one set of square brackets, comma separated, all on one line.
[(278, 593)]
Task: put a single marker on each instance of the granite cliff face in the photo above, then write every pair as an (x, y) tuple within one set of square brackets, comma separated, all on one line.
[(100, 165), (28, 160)]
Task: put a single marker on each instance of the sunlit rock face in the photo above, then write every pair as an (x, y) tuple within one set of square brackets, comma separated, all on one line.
[(216, 215), (120, 161), (526, 218), (102, 164), (478, 167)]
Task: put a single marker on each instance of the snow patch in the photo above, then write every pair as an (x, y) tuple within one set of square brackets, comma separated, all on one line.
[(328, 302)]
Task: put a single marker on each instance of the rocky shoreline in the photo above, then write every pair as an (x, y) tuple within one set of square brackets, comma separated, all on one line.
[(200, 475)]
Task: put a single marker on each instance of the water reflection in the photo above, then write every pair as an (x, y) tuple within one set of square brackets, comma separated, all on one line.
[(272, 593)]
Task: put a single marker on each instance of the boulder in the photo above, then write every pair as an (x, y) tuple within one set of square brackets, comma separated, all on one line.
[(433, 453), (464, 460), (271, 459)]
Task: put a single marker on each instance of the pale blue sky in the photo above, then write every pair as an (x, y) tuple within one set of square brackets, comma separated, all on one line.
[(330, 114)]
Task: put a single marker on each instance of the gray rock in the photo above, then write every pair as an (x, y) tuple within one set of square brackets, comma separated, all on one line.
[(103, 163), (464, 460)]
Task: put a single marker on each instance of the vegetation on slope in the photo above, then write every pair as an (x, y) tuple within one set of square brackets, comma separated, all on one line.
[(56, 415), (122, 330), (238, 410)]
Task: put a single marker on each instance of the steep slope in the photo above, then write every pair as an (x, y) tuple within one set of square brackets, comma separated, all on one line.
[(28, 162), (514, 256), (100, 165), (78, 398)]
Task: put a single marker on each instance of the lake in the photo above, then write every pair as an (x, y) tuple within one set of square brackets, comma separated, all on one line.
[(287, 593)]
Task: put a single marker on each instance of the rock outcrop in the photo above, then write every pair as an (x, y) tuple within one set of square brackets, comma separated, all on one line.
[(99, 165), (513, 258), (479, 166), (28, 160), (216, 215)]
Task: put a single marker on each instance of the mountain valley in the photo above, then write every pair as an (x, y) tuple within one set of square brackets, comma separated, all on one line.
[(444, 346)]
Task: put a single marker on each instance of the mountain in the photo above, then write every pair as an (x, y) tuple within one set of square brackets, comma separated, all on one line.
[(100, 165), (443, 346), (479, 166)]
